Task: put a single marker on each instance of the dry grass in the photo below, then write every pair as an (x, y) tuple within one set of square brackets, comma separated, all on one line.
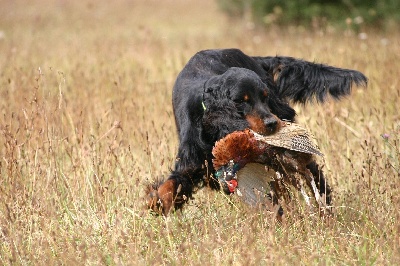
[(86, 120)]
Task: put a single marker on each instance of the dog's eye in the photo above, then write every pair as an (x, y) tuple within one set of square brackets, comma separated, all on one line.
[(264, 95), (242, 99)]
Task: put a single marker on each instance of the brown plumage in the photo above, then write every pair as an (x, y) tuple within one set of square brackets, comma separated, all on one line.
[(239, 146)]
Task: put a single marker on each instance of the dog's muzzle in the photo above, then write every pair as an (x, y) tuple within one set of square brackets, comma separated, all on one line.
[(270, 123)]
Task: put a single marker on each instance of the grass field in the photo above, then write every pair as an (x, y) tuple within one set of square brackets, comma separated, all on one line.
[(86, 120)]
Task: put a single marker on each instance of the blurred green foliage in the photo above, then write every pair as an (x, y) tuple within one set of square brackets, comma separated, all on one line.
[(380, 14)]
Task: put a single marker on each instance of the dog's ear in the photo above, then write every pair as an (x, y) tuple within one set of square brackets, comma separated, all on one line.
[(215, 87), (302, 81)]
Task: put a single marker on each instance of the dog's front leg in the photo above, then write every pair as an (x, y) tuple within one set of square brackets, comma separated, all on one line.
[(175, 191), (161, 197)]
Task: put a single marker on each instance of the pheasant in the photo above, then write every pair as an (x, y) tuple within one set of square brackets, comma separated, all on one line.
[(251, 164)]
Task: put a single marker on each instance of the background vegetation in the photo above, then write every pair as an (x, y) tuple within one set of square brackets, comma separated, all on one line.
[(317, 13), (86, 120)]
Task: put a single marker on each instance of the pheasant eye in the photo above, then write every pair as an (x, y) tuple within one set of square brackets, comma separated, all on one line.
[(245, 97), (265, 93)]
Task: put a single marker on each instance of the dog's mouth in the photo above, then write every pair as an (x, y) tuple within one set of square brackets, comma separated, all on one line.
[(266, 126)]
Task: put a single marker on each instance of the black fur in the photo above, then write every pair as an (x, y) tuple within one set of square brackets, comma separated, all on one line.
[(230, 86)]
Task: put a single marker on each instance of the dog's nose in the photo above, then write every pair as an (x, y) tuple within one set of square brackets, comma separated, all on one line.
[(270, 123)]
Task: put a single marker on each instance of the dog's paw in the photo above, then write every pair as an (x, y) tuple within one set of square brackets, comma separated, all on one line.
[(160, 197)]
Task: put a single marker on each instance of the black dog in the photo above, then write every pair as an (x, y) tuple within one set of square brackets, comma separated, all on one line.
[(222, 91)]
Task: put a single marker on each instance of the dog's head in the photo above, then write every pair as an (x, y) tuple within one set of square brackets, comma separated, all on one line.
[(239, 99)]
